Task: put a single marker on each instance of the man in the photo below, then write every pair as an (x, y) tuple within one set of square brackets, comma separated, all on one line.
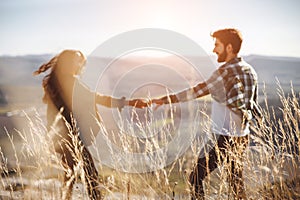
[(233, 87)]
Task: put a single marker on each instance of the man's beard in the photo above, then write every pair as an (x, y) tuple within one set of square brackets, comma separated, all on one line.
[(222, 56)]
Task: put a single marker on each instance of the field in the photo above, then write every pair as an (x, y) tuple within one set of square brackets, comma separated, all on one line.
[(271, 166)]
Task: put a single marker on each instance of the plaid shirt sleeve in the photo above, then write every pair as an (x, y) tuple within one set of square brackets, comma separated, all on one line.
[(214, 86), (233, 84), (240, 85), (235, 92)]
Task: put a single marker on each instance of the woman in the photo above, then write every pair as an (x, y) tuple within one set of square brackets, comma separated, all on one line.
[(59, 89)]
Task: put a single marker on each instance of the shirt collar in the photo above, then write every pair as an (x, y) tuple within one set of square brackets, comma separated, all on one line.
[(232, 61)]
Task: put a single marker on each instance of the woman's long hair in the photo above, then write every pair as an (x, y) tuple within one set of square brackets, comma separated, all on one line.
[(61, 64), (49, 83)]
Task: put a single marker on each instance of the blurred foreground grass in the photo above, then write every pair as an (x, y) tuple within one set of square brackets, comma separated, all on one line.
[(271, 167)]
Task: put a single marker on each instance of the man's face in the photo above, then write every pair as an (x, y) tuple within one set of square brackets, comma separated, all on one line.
[(220, 50)]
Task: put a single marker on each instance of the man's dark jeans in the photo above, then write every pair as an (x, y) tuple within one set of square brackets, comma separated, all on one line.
[(228, 149)]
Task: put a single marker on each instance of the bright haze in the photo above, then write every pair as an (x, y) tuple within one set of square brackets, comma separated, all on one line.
[(34, 27)]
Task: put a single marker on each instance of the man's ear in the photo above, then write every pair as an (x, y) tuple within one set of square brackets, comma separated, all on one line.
[(229, 48)]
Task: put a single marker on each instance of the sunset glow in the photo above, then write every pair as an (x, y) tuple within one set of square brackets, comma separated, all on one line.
[(36, 27)]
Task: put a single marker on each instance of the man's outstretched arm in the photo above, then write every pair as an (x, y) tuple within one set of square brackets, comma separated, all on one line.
[(191, 93)]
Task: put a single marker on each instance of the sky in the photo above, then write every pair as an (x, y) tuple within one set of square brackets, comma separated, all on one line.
[(269, 27)]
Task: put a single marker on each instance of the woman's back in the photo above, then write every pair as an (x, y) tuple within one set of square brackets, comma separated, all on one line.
[(59, 88)]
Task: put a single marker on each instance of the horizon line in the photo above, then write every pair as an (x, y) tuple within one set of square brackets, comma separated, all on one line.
[(141, 56)]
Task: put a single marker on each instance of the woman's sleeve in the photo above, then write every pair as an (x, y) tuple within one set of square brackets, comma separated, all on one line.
[(100, 99), (109, 101)]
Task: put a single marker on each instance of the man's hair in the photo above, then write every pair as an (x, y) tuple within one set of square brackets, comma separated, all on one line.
[(229, 36)]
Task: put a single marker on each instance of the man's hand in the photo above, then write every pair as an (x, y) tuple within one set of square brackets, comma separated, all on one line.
[(158, 101), (139, 103)]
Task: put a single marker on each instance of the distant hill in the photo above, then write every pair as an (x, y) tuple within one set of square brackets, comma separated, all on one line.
[(270, 69), (17, 71)]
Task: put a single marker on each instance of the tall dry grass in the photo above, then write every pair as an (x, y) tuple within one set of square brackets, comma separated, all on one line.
[(271, 166)]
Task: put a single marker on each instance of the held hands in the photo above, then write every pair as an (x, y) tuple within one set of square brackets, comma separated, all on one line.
[(158, 101), (142, 103), (139, 103)]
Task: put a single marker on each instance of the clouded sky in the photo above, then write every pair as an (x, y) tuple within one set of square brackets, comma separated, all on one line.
[(269, 27)]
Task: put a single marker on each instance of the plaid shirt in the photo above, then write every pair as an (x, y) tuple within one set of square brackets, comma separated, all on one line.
[(233, 84)]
